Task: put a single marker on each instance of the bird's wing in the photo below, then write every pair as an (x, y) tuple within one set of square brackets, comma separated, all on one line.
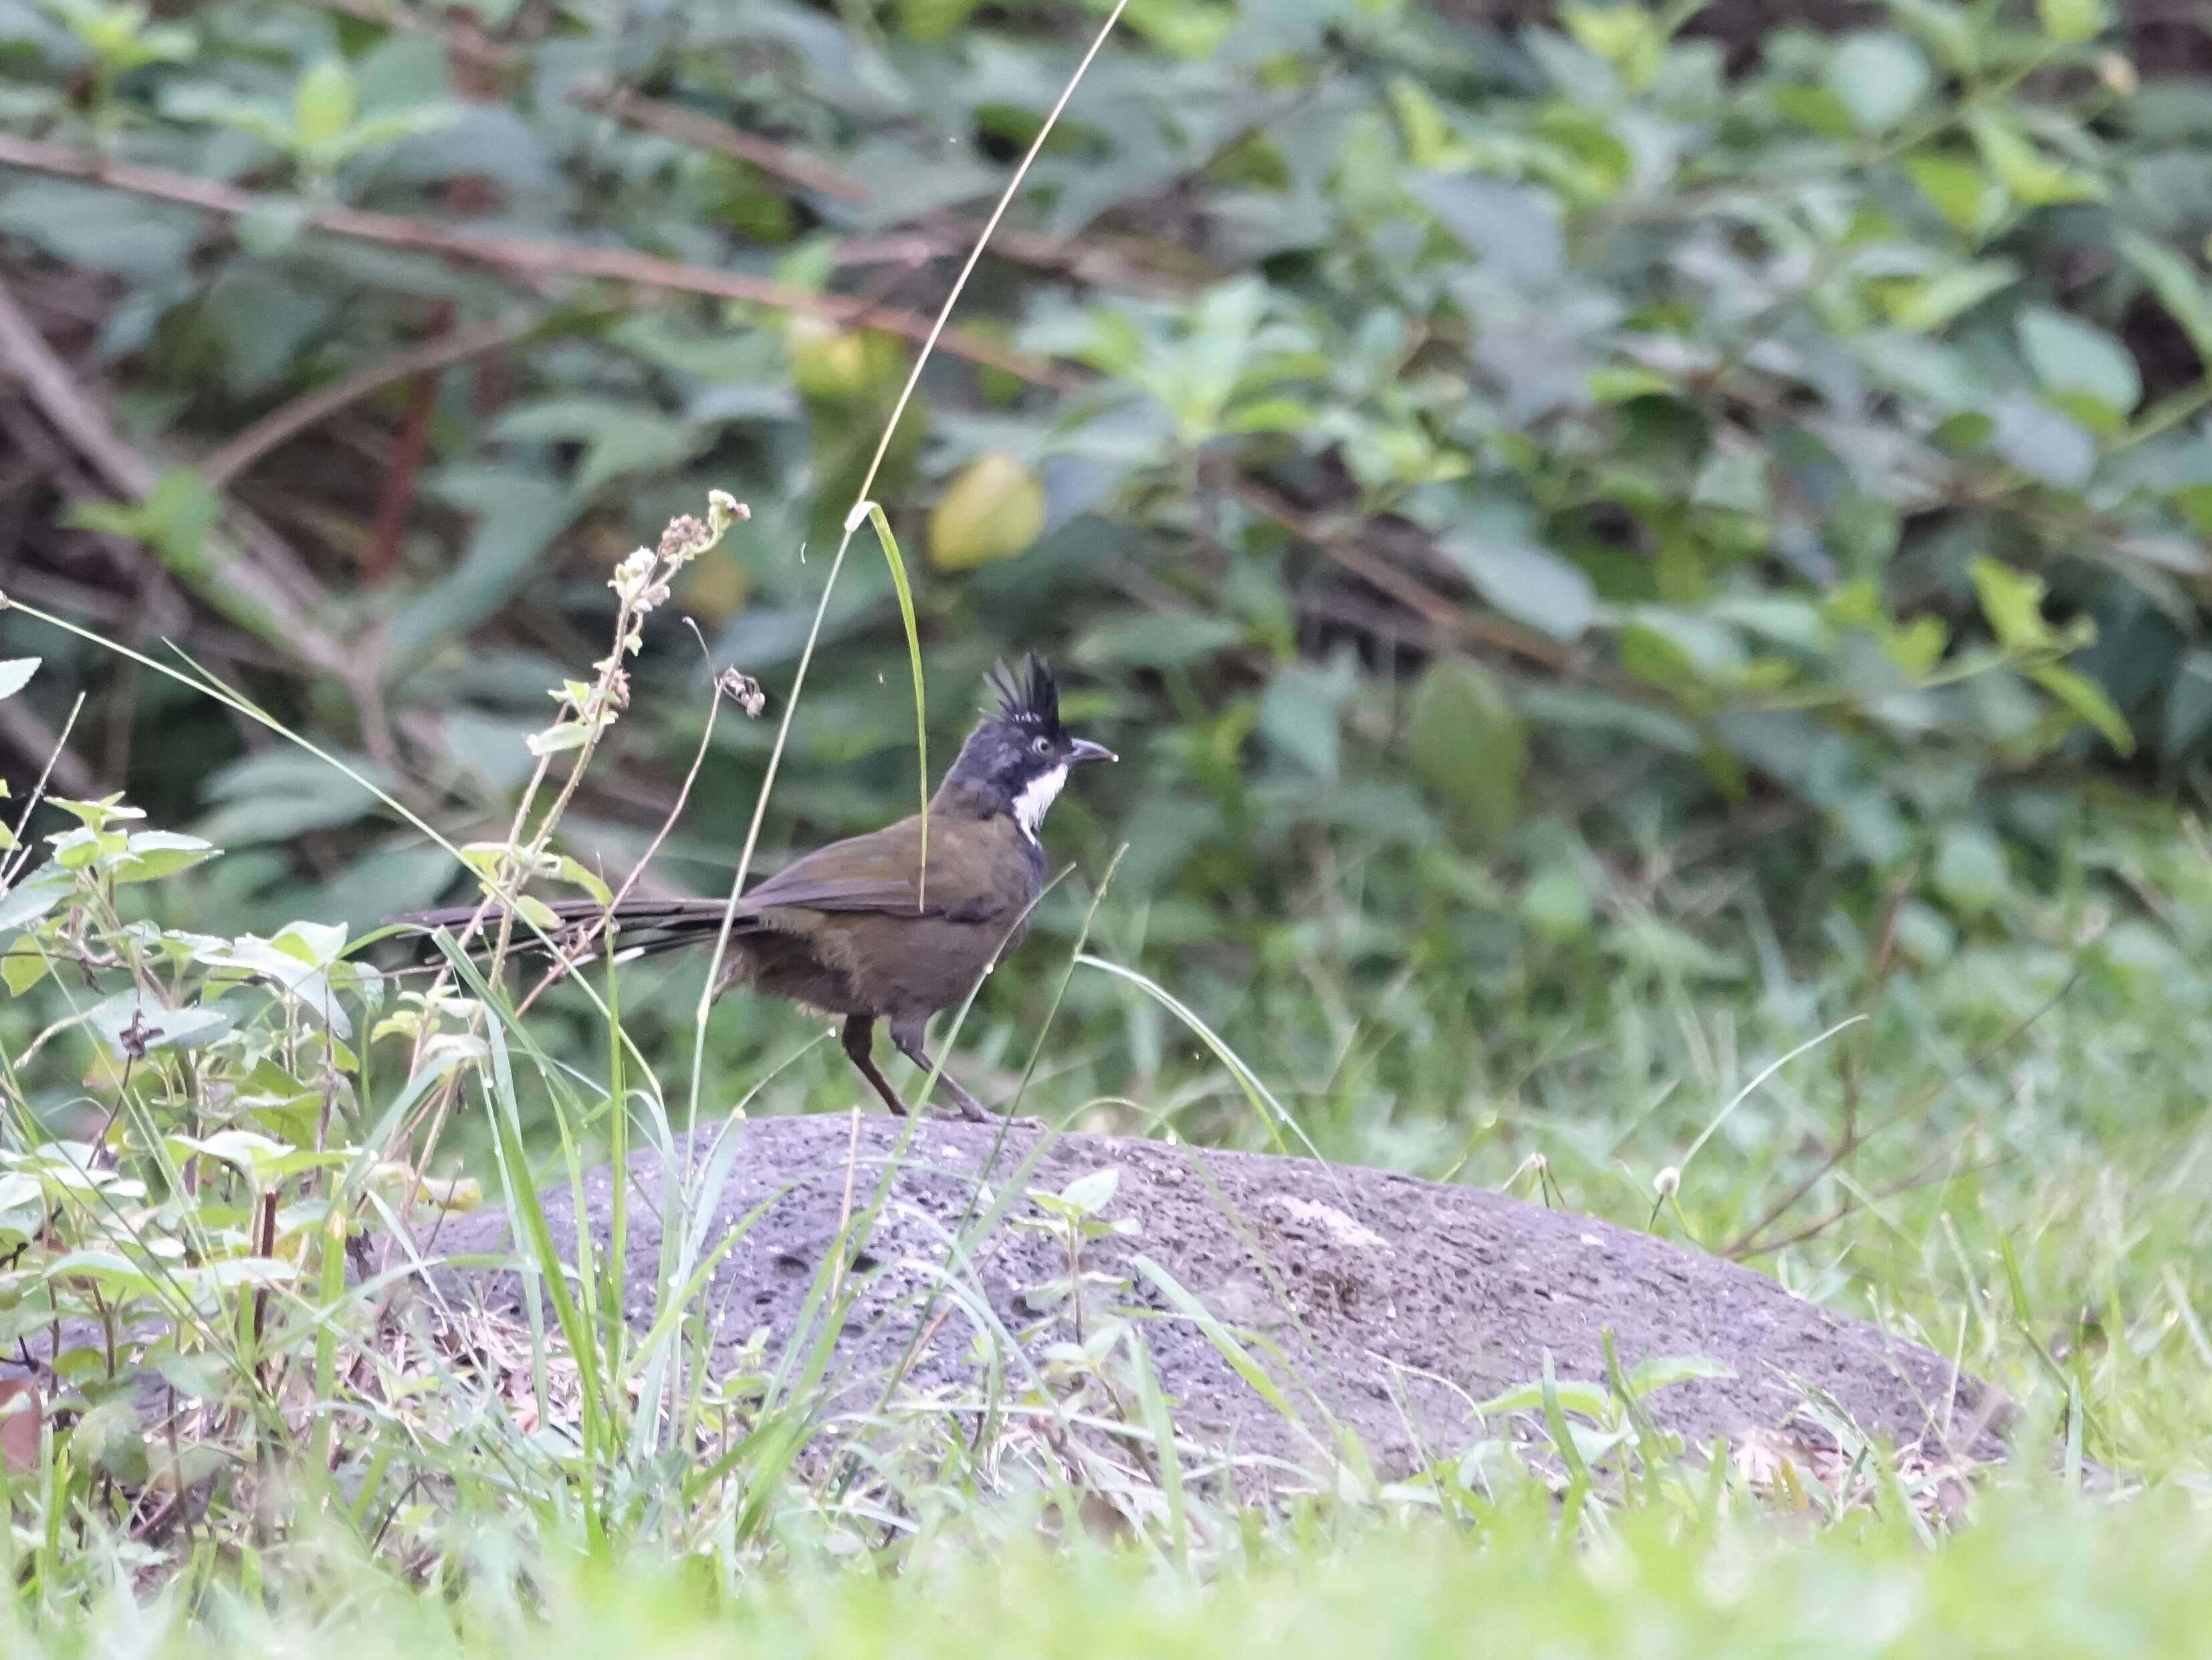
[(878, 871)]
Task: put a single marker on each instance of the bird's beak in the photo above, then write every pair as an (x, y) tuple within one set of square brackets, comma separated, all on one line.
[(1086, 750)]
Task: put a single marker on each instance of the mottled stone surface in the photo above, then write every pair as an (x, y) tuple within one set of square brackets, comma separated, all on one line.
[(1382, 1303)]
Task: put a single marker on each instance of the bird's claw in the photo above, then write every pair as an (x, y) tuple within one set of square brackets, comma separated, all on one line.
[(982, 1115)]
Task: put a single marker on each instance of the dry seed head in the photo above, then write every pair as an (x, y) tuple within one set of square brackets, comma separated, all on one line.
[(742, 689), (684, 538)]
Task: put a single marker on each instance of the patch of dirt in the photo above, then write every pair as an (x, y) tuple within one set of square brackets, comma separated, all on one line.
[(1379, 1303)]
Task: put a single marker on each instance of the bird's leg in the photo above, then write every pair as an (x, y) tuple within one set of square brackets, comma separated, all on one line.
[(906, 1037), (859, 1041)]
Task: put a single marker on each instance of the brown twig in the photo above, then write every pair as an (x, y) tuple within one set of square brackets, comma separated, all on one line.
[(396, 497), (1748, 1243), (532, 256), (470, 42), (1105, 262), (279, 585), (1415, 596), (287, 420), (37, 742), (704, 132), (265, 586), (13, 860), (267, 577), (1908, 1185), (943, 235)]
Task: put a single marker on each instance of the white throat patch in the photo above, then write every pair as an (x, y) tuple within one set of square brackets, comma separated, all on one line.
[(1036, 795)]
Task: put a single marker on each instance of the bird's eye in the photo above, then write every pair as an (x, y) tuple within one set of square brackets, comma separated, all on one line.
[(1041, 745)]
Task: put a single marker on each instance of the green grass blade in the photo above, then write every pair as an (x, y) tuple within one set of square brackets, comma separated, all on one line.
[(913, 660), (1271, 1112)]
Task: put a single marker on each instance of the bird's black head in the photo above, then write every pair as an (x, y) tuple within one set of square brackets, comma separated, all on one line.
[(1019, 755)]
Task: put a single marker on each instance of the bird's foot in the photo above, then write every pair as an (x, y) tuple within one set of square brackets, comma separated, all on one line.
[(969, 1111), (982, 1115)]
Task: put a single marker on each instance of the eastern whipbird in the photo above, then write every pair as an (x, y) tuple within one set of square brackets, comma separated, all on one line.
[(857, 928)]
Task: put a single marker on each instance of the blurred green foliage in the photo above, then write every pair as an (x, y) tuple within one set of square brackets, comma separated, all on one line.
[(1604, 555), (1532, 505)]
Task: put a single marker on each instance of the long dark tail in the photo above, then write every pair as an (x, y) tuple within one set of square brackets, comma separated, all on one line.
[(642, 928)]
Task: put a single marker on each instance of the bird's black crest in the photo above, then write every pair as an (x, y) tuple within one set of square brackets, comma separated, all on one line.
[(1031, 697)]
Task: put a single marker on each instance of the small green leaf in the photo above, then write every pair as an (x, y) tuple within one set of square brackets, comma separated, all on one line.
[(15, 674), (1619, 383), (131, 1020), (2032, 177), (1950, 31), (2050, 447), (1090, 1194), (179, 513), (570, 871), (2013, 601), (1590, 1400), (557, 739), (2071, 21), (1467, 744), (1662, 1371), (2178, 285), (1960, 189), (323, 103), (33, 897), (2087, 699), (1497, 545), (315, 943), (1627, 37), (1556, 902), (1816, 107), (22, 965), (1509, 225), (155, 853), (1928, 303), (1916, 647), (1302, 712), (1277, 413), (1970, 868), (2069, 355), (537, 913), (1878, 75), (1682, 649), (1176, 640)]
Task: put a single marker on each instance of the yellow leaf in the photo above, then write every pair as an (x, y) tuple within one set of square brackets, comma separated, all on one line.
[(993, 509)]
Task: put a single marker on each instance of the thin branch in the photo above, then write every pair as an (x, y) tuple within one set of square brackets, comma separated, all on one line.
[(268, 577), (36, 741), (1747, 1242), (281, 425), (466, 40), (1103, 261), (1416, 596), (1848, 1207), (15, 857), (1087, 259), (395, 498), (704, 132), (532, 255)]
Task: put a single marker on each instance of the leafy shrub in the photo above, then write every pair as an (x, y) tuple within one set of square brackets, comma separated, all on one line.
[(1545, 445)]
